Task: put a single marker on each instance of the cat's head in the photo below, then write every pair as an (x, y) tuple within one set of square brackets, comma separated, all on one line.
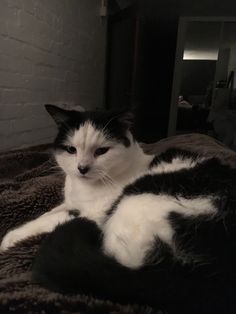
[(92, 145)]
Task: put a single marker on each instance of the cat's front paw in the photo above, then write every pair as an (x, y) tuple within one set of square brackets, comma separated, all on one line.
[(10, 239)]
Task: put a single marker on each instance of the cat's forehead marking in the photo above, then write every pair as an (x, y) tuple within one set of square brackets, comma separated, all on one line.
[(88, 136)]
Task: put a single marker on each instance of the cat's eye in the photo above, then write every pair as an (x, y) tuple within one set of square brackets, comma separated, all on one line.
[(71, 149), (101, 151)]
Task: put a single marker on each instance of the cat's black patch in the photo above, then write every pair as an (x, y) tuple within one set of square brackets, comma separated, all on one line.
[(206, 240), (208, 178), (74, 213), (113, 207), (114, 124), (156, 161)]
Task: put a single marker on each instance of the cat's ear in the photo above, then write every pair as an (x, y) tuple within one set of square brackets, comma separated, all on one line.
[(59, 115), (126, 118)]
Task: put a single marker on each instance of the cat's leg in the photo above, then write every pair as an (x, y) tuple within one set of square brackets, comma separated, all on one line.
[(45, 223), (57, 209)]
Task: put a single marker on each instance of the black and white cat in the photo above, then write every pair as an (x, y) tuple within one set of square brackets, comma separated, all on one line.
[(99, 157), (151, 230)]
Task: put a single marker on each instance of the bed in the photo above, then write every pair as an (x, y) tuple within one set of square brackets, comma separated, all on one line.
[(30, 185)]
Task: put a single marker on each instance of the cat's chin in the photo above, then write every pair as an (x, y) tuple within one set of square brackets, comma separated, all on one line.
[(84, 177), (88, 178)]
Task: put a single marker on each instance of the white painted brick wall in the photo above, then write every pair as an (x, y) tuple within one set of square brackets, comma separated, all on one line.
[(51, 51)]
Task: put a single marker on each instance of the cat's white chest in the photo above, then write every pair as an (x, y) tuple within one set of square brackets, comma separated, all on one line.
[(91, 200)]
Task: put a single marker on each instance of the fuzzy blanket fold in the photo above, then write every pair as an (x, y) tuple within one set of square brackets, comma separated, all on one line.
[(30, 184)]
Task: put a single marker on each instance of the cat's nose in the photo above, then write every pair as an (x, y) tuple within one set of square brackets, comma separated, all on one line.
[(83, 169)]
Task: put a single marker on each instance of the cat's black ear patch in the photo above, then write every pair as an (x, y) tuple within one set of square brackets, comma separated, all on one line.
[(59, 115), (122, 122)]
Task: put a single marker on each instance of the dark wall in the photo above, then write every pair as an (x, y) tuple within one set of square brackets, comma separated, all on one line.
[(121, 42), (157, 57)]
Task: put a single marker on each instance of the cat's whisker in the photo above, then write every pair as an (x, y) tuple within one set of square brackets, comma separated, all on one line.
[(110, 180), (105, 183), (105, 179)]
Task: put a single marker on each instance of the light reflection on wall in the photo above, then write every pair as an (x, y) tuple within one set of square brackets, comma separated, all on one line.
[(200, 54)]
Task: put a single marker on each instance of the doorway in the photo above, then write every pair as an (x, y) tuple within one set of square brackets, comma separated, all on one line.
[(203, 94)]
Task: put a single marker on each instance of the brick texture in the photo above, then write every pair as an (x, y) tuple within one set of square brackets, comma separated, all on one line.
[(50, 52)]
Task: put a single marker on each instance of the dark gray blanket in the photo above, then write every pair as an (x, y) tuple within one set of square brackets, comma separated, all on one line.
[(30, 184)]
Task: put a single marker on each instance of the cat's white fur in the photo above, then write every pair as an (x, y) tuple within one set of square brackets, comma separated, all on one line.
[(139, 219), (177, 164), (131, 230)]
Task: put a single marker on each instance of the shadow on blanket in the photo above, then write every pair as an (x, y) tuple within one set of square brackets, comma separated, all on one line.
[(30, 185)]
